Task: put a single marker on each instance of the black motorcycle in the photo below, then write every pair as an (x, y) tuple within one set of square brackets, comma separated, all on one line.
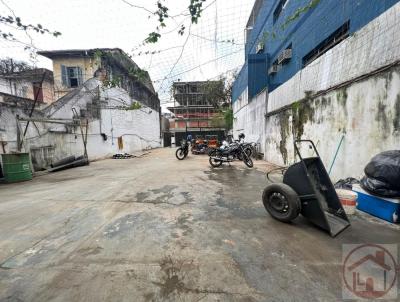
[(229, 154), (183, 150)]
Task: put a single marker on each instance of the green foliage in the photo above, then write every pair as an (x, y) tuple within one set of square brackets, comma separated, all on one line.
[(195, 9), (134, 106), (140, 74), (162, 13), (115, 82), (98, 54), (219, 92), (19, 25), (300, 11), (228, 117), (296, 106), (153, 37), (223, 119), (312, 4)]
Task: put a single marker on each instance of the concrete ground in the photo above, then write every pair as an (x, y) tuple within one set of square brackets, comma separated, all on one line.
[(158, 229)]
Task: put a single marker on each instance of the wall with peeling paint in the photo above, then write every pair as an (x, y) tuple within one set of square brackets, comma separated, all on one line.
[(106, 113), (366, 112), (375, 45), (352, 90)]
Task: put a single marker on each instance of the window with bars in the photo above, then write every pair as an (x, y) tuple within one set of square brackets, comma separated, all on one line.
[(335, 38), (279, 9)]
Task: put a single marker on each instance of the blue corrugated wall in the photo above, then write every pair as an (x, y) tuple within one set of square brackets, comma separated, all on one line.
[(304, 33)]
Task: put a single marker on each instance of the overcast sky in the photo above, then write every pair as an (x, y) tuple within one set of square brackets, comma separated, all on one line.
[(113, 23)]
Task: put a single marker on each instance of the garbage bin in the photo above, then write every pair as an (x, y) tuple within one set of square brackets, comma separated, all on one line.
[(16, 167)]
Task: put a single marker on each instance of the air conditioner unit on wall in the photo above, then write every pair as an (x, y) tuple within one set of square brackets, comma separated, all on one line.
[(260, 47), (285, 56), (273, 69)]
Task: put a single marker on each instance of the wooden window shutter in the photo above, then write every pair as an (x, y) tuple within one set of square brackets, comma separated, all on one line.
[(64, 76), (80, 77)]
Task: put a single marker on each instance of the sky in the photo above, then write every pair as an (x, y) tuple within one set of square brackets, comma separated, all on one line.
[(204, 52)]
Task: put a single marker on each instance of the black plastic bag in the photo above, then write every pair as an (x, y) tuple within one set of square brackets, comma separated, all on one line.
[(377, 187), (385, 168), (346, 183)]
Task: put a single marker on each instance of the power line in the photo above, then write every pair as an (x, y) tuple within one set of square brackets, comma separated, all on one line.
[(177, 61), (198, 66)]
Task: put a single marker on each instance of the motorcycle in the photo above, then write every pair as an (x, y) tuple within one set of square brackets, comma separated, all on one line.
[(229, 153), (183, 150), (199, 147), (251, 149)]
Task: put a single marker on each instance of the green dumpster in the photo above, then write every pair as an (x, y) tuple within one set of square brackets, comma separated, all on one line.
[(16, 167)]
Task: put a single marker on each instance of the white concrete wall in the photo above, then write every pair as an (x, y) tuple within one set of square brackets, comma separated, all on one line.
[(367, 110), (21, 88), (139, 129), (249, 118), (5, 86), (367, 113), (375, 45)]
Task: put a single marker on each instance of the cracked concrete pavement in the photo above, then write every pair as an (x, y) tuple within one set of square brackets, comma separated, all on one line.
[(158, 229)]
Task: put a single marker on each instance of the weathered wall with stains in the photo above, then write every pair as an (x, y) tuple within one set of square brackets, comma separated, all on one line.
[(88, 66), (373, 46), (24, 88), (249, 118), (367, 113), (353, 89), (108, 120)]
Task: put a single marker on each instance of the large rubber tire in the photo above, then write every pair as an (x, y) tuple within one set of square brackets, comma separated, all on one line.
[(248, 161), (215, 163), (281, 202), (248, 151), (180, 154)]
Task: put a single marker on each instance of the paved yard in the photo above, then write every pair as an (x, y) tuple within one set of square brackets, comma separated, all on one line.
[(159, 229)]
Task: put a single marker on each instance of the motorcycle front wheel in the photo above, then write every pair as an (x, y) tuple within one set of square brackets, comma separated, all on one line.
[(247, 161), (180, 154), (215, 163)]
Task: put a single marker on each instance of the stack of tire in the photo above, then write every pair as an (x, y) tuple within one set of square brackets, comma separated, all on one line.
[(382, 175)]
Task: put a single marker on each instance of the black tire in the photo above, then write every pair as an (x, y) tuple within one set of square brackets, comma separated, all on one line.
[(248, 151), (281, 202), (180, 154), (248, 161), (215, 163)]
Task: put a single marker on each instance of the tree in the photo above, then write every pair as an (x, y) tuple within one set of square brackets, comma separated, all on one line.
[(220, 95), (8, 65), (16, 22)]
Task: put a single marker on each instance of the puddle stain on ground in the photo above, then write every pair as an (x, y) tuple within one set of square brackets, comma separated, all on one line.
[(89, 251), (178, 278), (165, 195), (184, 228), (168, 194), (121, 225), (173, 274)]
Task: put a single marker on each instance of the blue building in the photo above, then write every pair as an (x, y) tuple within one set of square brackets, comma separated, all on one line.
[(284, 36)]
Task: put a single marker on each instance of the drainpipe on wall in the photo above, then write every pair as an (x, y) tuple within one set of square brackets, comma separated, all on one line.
[(265, 121)]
